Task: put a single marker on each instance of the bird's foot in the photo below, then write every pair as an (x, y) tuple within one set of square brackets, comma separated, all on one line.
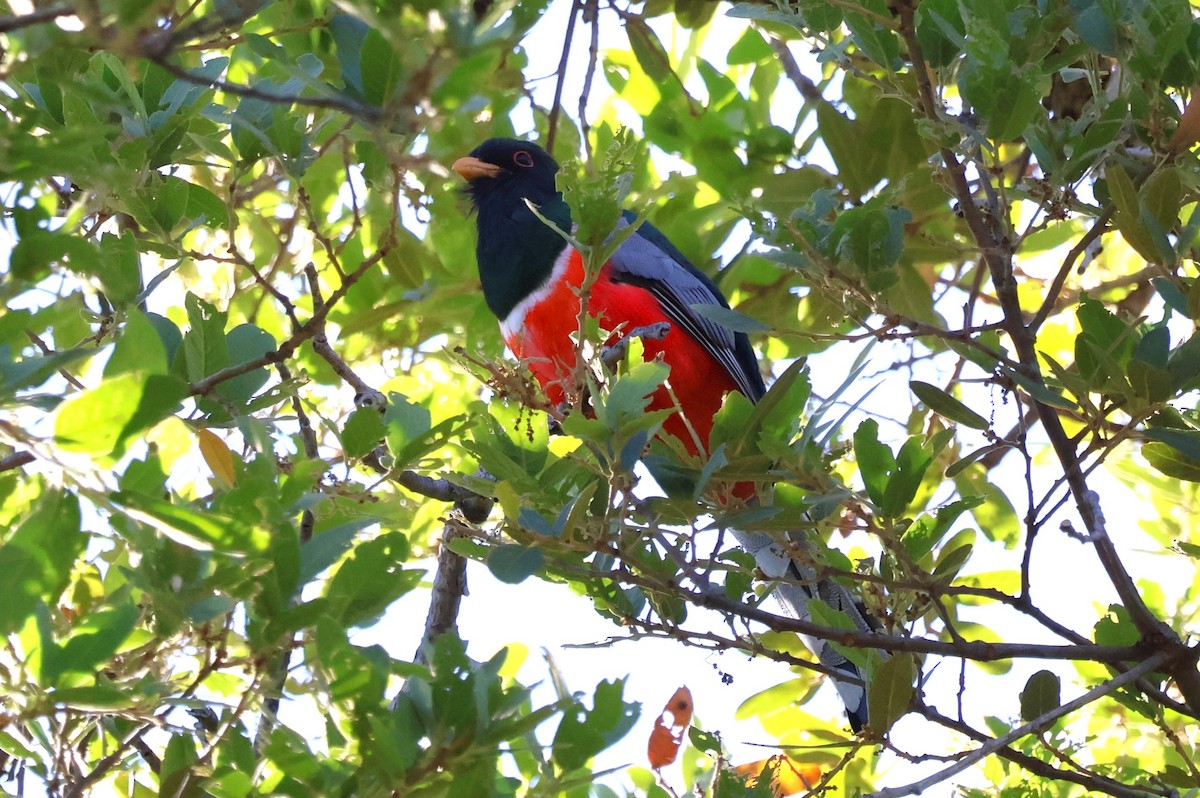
[(613, 354)]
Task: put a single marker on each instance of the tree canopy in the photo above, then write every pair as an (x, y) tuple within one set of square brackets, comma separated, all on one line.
[(251, 391)]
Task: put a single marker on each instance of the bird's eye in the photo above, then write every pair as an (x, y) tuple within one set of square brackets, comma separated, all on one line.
[(523, 158)]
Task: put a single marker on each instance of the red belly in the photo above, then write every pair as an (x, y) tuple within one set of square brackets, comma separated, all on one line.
[(544, 341)]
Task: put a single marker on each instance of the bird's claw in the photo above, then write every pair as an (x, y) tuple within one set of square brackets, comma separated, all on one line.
[(611, 355)]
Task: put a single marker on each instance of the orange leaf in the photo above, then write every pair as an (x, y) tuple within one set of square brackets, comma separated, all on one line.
[(669, 728), (788, 777), (218, 457)]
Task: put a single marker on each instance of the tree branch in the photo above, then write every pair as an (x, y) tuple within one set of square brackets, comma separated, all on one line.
[(561, 74), (1155, 661), (346, 105), (446, 595), (312, 327), (1035, 765), (997, 255), (981, 651), (16, 460), (9, 24)]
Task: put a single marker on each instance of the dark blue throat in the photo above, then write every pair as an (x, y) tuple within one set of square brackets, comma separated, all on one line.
[(516, 250)]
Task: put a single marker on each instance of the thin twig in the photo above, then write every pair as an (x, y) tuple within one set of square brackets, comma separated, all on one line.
[(1098, 228), (1155, 661), (308, 437), (16, 460), (311, 328), (591, 14), (344, 104), (556, 107), (8, 24), (977, 650), (47, 350), (997, 255), (1093, 781), (808, 90)]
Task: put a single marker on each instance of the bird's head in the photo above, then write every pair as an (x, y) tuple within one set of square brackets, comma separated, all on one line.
[(516, 250), (505, 172)]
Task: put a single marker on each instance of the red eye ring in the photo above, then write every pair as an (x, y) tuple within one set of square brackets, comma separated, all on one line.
[(523, 158)]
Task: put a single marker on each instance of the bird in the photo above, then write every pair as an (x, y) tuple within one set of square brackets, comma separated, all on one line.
[(530, 276)]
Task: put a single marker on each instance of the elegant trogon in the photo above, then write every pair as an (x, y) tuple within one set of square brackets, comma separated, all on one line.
[(531, 279)]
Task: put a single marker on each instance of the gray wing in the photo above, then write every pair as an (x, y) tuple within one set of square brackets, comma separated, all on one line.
[(677, 285)]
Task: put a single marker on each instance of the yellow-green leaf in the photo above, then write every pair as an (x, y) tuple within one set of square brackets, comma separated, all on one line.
[(890, 692)]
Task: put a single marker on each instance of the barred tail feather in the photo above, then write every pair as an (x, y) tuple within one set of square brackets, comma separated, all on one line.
[(797, 585)]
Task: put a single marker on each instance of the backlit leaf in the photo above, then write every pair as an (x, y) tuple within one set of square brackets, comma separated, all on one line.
[(890, 691), (669, 726)]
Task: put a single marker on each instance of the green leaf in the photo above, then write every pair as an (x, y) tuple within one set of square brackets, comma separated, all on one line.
[(1005, 96), (349, 33), (870, 240), (202, 531), (229, 784), (729, 319), (890, 691), (38, 250), (940, 31), (927, 532), (326, 547), (31, 372), (101, 421), (94, 639), (1186, 442), (371, 579), (912, 462), (119, 267), (877, 41), (1116, 628), (875, 460), (1154, 348), (891, 480), (513, 564), (380, 67), (406, 422), (36, 560), (1039, 392), (583, 733), (1145, 217), (1184, 362), (1171, 461), (781, 409), (649, 51), (748, 49), (168, 334), (1151, 383), (947, 406), (205, 351), (1041, 695), (963, 462), (951, 561), (98, 697), (177, 763), (139, 350), (1095, 27), (732, 422), (631, 392), (364, 430), (244, 344)]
